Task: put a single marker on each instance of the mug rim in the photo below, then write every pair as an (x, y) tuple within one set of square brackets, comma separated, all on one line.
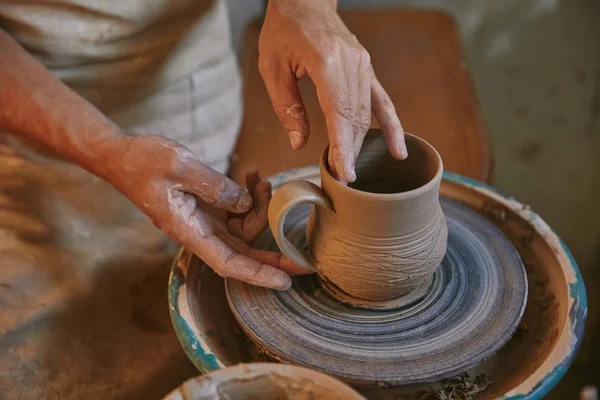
[(409, 194)]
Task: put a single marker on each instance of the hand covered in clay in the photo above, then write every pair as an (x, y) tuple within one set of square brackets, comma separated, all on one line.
[(309, 37), (189, 201)]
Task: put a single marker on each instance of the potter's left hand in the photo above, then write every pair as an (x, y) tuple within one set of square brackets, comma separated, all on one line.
[(309, 37), (199, 208)]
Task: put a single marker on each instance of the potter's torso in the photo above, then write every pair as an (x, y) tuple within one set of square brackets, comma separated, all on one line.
[(153, 66)]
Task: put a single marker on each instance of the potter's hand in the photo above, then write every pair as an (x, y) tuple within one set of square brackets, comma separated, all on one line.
[(308, 37), (188, 200)]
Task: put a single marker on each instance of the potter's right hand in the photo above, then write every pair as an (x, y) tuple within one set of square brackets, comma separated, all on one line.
[(308, 37), (188, 201)]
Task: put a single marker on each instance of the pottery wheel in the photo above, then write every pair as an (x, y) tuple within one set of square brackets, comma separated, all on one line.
[(471, 309)]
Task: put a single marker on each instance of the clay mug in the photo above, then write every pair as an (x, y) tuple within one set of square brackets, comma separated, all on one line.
[(379, 237)]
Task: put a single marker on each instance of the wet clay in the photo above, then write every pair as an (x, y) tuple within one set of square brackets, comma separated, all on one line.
[(380, 237), (264, 381)]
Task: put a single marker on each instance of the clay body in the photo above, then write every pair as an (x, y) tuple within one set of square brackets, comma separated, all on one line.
[(382, 236)]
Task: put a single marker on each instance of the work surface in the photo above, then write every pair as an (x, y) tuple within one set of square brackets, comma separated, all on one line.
[(417, 56)]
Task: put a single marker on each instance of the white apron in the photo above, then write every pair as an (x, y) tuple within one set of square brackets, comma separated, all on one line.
[(83, 273)]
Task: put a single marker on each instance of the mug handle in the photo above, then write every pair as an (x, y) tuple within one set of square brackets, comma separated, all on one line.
[(288, 196)]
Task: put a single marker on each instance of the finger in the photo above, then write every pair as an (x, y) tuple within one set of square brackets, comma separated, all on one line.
[(196, 231), (252, 179), (385, 112), (337, 96), (277, 260), (340, 130), (212, 187), (257, 220), (341, 147), (235, 226), (287, 102), (247, 227), (229, 263), (364, 103)]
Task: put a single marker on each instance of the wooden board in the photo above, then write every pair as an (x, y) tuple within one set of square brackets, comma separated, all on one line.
[(418, 58)]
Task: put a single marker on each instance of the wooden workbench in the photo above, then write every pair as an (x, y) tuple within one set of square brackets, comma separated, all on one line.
[(417, 56)]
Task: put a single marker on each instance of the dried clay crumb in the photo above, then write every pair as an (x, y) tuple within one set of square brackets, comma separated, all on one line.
[(461, 388), (522, 330), (496, 212)]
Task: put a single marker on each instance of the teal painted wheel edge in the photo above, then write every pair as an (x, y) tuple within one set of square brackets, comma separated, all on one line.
[(577, 313), (578, 317), (191, 346)]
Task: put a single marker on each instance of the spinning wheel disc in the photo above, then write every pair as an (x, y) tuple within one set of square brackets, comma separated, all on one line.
[(470, 310)]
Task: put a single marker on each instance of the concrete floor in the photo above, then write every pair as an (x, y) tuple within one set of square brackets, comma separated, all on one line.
[(536, 68)]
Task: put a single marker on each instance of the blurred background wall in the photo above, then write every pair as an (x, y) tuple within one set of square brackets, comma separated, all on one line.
[(536, 68)]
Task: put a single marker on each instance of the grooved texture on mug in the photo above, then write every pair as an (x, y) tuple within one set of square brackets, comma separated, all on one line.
[(383, 241), (380, 270)]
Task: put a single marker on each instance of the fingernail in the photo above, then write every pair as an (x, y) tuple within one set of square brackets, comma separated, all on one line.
[(352, 175), (283, 284), (350, 172), (402, 152), (343, 168), (295, 139)]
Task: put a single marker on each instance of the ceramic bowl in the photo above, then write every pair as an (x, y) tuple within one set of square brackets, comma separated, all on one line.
[(258, 381), (538, 355)]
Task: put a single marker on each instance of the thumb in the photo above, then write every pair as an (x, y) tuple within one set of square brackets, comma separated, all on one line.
[(212, 187), (287, 102)]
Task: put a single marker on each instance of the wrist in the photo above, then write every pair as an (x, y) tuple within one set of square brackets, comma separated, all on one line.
[(107, 162), (92, 142), (293, 5)]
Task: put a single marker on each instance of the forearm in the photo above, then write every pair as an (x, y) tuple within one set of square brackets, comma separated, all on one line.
[(35, 105)]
